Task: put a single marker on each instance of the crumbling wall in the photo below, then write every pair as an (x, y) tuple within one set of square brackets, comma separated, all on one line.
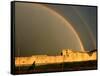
[(68, 56)]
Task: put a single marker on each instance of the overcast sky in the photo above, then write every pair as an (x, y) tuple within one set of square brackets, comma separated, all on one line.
[(38, 30)]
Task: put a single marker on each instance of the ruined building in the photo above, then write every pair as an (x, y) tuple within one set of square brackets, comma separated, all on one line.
[(66, 56)]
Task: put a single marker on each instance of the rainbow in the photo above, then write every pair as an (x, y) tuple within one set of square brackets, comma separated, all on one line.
[(65, 22)]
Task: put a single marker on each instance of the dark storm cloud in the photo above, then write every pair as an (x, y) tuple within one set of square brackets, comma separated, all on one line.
[(39, 32), (83, 19)]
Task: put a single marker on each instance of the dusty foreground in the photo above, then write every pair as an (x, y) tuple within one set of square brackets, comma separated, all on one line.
[(69, 60), (58, 67)]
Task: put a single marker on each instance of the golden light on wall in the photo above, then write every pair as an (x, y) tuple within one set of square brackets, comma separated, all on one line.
[(67, 56)]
